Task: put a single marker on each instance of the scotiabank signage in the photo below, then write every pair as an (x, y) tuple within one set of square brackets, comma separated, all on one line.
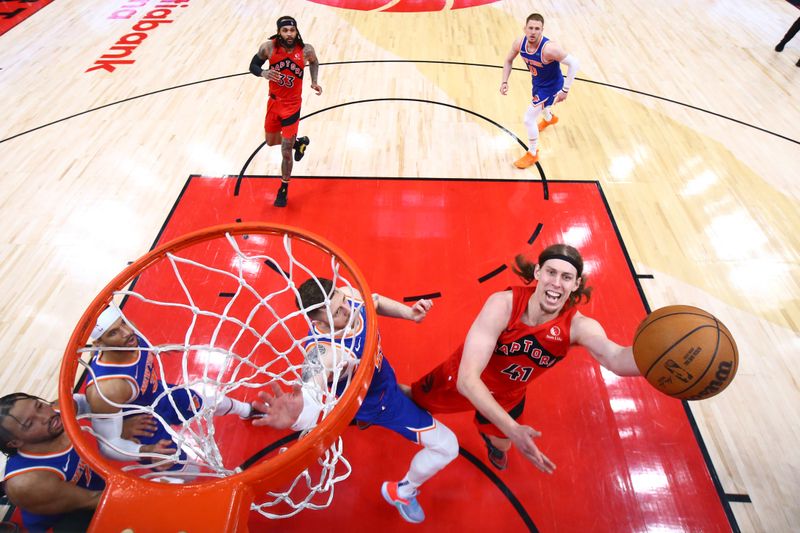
[(145, 17)]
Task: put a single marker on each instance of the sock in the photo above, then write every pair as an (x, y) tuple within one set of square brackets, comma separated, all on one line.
[(229, 406), (534, 146), (405, 489), (548, 115)]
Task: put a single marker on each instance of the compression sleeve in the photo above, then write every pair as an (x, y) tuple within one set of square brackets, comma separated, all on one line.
[(81, 405), (572, 69), (255, 65), (112, 444)]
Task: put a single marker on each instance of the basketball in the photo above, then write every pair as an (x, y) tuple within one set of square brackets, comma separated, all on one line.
[(685, 352)]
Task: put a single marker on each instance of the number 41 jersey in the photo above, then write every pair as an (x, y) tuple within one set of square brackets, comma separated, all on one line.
[(524, 352)]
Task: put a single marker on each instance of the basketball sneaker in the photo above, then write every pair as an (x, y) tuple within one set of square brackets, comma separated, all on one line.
[(497, 457), (544, 123), (408, 508), (280, 200), (527, 160), (300, 147)]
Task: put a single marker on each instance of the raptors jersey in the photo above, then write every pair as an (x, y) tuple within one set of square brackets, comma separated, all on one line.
[(65, 464), (289, 64), (524, 352), (547, 79), (140, 373)]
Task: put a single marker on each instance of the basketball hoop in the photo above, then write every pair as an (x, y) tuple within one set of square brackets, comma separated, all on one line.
[(218, 309)]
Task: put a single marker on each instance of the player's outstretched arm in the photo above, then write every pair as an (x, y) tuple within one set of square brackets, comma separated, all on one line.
[(299, 409), (392, 308), (478, 348), (43, 492), (590, 334)]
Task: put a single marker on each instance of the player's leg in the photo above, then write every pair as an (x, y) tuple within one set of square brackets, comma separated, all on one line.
[(789, 36), (439, 448), (273, 137), (548, 118), (286, 171), (436, 391), (289, 125), (531, 119), (300, 147), (190, 401), (497, 444), (272, 124)]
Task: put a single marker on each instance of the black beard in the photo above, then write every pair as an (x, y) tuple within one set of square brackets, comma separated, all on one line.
[(284, 43)]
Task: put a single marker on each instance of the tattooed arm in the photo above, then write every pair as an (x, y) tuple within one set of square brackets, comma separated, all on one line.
[(313, 66), (299, 409)]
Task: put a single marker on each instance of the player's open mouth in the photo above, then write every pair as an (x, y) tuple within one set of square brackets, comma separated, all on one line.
[(55, 424), (552, 296)]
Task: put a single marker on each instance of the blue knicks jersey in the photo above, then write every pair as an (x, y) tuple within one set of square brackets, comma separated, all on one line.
[(383, 379), (140, 373), (547, 78), (66, 465)]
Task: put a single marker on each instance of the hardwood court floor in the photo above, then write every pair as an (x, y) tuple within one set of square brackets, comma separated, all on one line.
[(707, 205)]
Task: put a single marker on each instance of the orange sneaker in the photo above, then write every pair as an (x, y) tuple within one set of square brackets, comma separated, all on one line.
[(544, 123), (527, 160)]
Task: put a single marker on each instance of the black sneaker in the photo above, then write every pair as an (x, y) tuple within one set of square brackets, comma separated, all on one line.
[(497, 457), (280, 200), (300, 147)]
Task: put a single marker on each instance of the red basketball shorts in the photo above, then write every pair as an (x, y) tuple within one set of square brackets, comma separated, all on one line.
[(282, 116), (436, 391)]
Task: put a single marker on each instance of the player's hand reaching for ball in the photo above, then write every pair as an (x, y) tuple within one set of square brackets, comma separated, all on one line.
[(522, 437)]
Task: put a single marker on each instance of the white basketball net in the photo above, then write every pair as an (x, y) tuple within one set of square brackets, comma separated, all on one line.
[(220, 325)]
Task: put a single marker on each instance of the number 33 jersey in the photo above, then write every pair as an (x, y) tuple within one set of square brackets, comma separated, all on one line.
[(289, 64)]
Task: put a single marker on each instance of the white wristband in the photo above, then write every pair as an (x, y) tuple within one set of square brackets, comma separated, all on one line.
[(311, 410), (81, 404)]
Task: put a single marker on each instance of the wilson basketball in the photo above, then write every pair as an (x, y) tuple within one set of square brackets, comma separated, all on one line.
[(685, 352)]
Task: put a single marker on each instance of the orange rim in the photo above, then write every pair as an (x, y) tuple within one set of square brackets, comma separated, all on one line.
[(269, 473)]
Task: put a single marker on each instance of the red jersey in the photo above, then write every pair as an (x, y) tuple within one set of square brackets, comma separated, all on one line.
[(524, 352), (290, 65)]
